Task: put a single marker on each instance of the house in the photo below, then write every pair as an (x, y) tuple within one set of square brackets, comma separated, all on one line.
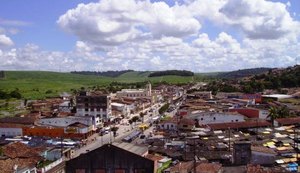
[(10, 130), (186, 124), (17, 157), (112, 158), (215, 117), (170, 124)]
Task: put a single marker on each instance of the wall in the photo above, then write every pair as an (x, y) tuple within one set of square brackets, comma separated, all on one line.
[(12, 132), (213, 118), (63, 122), (52, 132), (167, 126)]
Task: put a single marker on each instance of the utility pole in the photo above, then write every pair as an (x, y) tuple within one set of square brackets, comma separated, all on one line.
[(229, 139), (195, 170)]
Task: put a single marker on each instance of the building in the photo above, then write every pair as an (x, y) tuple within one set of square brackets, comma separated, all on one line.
[(251, 112), (215, 117), (19, 158), (170, 124), (112, 158), (206, 95), (135, 93), (241, 153), (96, 105), (10, 130)]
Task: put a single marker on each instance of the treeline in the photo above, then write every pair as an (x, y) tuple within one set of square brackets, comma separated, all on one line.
[(273, 79), (13, 94), (105, 73), (171, 72), (243, 73)]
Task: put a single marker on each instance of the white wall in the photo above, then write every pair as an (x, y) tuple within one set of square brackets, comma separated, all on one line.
[(263, 114), (213, 118), (63, 122), (167, 126), (11, 132)]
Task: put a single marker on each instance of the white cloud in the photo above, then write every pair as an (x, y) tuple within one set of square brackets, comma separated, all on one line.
[(145, 35), (111, 22), (5, 41), (260, 19)]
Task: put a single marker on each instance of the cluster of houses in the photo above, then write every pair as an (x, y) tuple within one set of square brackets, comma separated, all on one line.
[(228, 132)]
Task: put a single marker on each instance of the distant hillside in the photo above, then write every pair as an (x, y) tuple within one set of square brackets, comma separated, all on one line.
[(279, 78), (105, 73), (171, 72), (243, 73)]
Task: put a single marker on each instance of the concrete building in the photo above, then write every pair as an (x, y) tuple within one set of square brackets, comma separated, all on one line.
[(215, 117), (10, 130), (96, 105), (241, 153)]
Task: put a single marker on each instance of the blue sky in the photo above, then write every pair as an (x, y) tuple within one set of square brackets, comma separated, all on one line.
[(197, 35)]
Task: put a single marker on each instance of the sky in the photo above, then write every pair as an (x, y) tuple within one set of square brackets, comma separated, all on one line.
[(195, 35)]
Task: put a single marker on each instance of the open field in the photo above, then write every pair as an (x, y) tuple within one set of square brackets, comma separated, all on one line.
[(40, 84)]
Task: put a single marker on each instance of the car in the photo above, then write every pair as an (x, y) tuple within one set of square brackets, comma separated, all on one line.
[(142, 136)]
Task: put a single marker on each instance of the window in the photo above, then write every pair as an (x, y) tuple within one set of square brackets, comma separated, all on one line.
[(86, 109), (236, 120), (201, 119), (214, 118)]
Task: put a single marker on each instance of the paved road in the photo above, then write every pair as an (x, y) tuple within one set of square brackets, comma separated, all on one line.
[(96, 141)]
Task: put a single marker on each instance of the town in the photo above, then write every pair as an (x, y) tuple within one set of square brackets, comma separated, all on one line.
[(162, 129)]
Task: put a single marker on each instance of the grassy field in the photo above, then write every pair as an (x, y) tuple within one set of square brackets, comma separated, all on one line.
[(40, 84)]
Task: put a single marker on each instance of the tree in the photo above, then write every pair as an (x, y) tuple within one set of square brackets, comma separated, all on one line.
[(142, 114), (114, 130), (135, 119), (273, 114), (15, 94)]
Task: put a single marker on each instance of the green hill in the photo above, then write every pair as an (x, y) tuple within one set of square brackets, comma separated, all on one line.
[(40, 84), (242, 73)]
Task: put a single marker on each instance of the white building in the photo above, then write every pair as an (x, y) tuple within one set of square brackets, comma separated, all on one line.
[(10, 130), (66, 121), (135, 93), (97, 106), (215, 117)]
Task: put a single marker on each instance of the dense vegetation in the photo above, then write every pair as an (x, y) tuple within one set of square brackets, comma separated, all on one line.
[(13, 94), (273, 79), (104, 73), (171, 72), (243, 73)]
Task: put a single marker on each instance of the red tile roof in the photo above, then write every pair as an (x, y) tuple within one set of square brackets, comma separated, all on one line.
[(208, 168), (19, 150), (288, 121), (239, 125)]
